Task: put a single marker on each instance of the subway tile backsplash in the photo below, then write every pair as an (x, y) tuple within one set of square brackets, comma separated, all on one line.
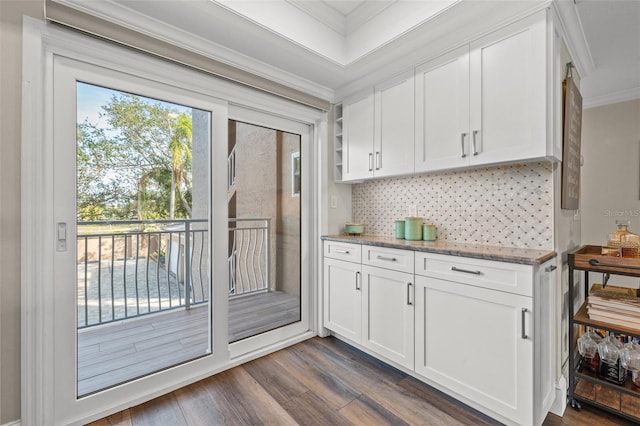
[(504, 205)]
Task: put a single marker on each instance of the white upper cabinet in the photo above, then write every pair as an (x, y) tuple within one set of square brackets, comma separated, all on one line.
[(378, 131), (442, 112), (357, 138), (393, 136), (508, 92), (485, 103)]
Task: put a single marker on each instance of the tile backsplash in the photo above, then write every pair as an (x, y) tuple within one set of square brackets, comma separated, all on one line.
[(504, 205)]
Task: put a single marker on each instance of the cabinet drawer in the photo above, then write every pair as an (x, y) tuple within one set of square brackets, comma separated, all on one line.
[(503, 276), (394, 259), (343, 251)]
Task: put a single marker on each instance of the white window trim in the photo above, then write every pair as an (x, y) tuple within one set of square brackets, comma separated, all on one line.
[(40, 43)]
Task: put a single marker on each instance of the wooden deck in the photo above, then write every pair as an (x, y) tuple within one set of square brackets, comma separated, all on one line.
[(114, 353)]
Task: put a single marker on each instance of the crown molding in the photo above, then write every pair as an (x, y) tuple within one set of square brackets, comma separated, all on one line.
[(574, 37), (611, 98), (114, 12)]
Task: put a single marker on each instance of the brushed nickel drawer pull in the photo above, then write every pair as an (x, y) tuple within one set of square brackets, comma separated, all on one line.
[(409, 302), (551, 268), (462, 136), (466, 271), (378, 162), (391, 259), (524, 331), (341, 251), (371, 161), (358, 280)]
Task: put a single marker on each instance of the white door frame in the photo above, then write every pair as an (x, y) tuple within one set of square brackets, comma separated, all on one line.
[(41, 44)]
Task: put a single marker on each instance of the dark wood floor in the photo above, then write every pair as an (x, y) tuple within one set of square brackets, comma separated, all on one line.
[(318, 382)]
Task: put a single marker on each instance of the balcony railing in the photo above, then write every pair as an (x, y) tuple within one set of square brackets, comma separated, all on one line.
[(249, 259), (132, 268)]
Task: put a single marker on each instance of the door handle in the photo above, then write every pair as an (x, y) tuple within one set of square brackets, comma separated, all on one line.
[(462, 136), (409, 301), (551, 268), (358, 280), (475, 148), (341, 251), (61, 236), (524, 328), (371, 161), (378, 160)]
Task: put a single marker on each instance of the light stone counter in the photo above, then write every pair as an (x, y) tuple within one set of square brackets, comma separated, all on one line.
[(479, 251)]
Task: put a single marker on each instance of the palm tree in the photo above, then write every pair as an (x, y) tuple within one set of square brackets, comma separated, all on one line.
[(180, 146)]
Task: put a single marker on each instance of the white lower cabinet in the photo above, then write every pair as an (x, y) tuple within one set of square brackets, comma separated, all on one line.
[(482, 331), (387, 321), (342, 298), (477, 343)]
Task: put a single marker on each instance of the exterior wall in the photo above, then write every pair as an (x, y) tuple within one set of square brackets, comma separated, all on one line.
[(288, 226), (256, 181), (507, 205), (11, 13)]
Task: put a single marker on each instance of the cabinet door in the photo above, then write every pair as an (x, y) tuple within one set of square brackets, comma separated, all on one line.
[(472, 341), (394, 129), (357, 144), (388, 323), (508, 86), (342, 298), (442, 112)]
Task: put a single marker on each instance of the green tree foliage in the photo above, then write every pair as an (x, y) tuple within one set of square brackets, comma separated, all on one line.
[(134, 168)]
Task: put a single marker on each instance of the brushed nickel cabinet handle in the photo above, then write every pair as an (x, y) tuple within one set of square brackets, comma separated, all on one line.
[(358, 280), (466, 271), (462, 136), (524, 331), (409, 302), (551, 268), (341, 251), (371, 161), (475, 148), (390, 259), (378, 160)]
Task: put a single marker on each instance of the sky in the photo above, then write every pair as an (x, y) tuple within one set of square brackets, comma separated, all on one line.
[(90, 99)]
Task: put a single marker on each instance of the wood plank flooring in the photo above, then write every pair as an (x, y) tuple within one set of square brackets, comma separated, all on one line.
[(318, 382), (114, 353)]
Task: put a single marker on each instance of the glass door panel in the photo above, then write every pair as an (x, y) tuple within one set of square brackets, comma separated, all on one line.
[(264, 193), (143, 201)]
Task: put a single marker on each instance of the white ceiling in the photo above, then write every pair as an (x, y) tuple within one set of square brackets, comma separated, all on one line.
[(331, 47)]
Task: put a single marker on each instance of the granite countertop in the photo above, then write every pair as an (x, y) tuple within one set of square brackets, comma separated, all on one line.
[(479, 251)]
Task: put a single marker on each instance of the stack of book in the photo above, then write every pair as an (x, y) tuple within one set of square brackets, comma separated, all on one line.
[(615, 305)]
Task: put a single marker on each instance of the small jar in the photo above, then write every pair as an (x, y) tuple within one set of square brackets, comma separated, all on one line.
[(399, 229), (429, 232), (413, 228)]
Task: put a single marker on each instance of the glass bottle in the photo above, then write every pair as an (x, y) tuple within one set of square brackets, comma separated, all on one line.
[(622, 234)]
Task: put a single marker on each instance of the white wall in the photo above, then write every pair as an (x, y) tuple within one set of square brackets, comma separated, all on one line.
[(11, 13), (611, 171)]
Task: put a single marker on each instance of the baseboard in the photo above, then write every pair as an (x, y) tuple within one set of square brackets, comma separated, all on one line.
[(560, 401)]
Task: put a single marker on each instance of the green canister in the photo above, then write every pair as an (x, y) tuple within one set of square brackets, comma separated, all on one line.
[(400, 229), (429, 232), (413, 228)]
